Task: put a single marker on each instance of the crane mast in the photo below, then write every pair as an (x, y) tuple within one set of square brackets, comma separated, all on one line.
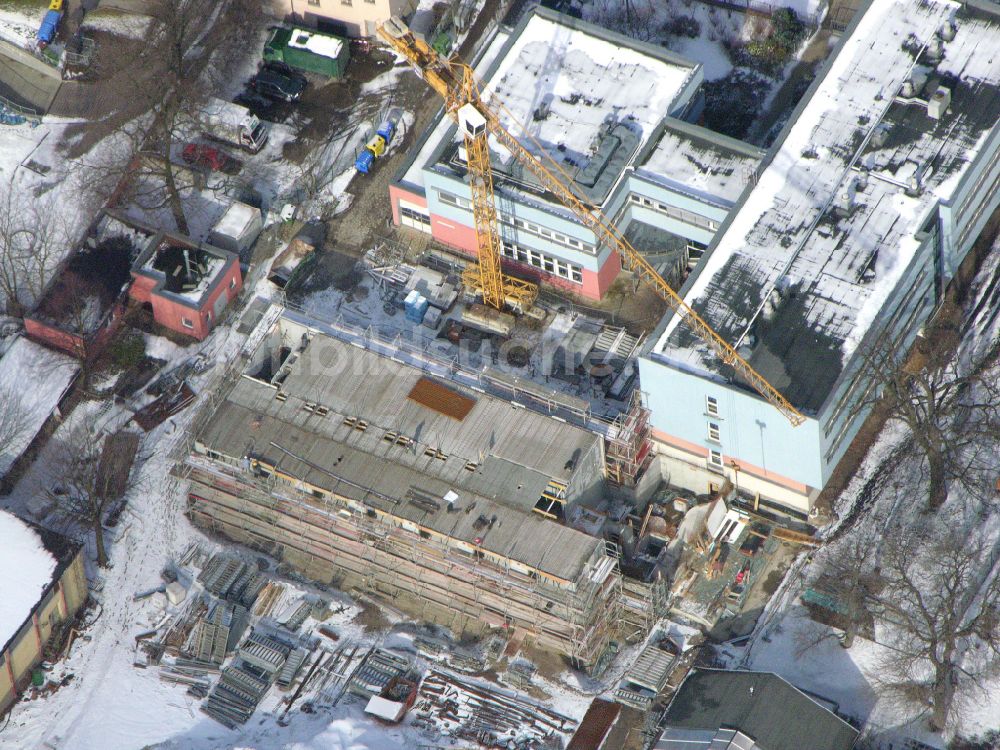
[(455, 81)]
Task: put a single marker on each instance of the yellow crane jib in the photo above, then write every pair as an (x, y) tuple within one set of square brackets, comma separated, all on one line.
[(457, 85)]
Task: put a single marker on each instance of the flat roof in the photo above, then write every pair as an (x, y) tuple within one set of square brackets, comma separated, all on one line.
[(699, 162), (318, 43), (762, 706), (513, 452), (236, 219), (586, 96), (183, 268), (794, 280)]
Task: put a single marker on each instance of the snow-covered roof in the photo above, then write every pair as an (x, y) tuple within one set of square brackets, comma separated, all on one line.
[(586, 96), (28, 569), (32, 381), (236, 220), (560, 84), (699, 162), (318, 44), (807, 261), (385, 709)]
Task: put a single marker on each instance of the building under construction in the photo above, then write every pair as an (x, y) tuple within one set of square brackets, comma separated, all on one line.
[(369, 474)]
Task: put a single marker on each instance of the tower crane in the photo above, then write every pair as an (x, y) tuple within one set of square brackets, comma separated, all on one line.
[(456, 82)]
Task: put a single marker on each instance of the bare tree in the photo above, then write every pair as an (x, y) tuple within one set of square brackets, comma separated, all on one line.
[(952, 413), (850, 577), (941, 598), (33, 239), (193, 46), (935, 600), (92, 476)]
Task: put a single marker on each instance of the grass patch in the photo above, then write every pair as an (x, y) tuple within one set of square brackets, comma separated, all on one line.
[(126, 351)]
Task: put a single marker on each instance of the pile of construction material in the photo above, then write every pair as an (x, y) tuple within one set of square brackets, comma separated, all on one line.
[(232, 579), (488, 715), (377, 670), (191, 672), (245, 682), (216, 635)]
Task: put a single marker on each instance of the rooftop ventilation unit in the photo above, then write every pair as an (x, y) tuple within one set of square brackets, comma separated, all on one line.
[(913, 85), (947, 31), (845, 197), (771, 305), (935, 48), (938, 104)]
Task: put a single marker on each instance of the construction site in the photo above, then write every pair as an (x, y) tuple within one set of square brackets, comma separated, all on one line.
[(485, 460), (525, 413), (458, 500)]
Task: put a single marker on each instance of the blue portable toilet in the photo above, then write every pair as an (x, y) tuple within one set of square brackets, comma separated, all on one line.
[(50, 24), (415, 306), (387, 130), (364, 161)]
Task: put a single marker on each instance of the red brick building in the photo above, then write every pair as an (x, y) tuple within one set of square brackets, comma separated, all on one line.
[(187, 285)]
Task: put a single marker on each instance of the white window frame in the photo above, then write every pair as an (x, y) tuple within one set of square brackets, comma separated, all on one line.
[(714, 432), (712, 406), (187, 323), (715, 460)]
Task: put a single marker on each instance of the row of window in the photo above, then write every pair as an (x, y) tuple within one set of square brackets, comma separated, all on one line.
[(714, 433), (552, 236), (688, 217), (547, 263), (528, 227)]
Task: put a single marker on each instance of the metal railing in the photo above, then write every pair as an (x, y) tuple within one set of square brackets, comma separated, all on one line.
[(30, 113)]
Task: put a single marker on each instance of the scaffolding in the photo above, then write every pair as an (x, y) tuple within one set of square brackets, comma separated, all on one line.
[(326, 535), (627, 446)]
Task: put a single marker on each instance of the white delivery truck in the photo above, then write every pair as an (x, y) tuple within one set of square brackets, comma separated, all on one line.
[(235, 124)]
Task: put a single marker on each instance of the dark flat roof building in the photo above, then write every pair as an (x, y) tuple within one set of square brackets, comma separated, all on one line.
[(718, 709)]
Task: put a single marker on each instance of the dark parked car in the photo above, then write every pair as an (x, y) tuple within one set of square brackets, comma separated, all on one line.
[(209, 157), (277, 85), (284, 69)]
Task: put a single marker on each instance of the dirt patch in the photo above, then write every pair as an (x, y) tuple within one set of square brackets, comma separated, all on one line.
[(370, 618), (638, 310), (547, 663)]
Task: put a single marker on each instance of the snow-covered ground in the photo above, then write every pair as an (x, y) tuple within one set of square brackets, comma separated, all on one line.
[(18, 25), (117, 22)]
